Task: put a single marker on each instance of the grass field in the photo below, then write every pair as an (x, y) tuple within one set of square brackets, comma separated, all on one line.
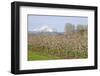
[(50, 47), (39, 56)]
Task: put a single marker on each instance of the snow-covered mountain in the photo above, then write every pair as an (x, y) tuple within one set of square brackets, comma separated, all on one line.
[(44, 28)]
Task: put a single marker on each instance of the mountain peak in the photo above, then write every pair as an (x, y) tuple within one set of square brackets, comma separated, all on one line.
[(44, 28)]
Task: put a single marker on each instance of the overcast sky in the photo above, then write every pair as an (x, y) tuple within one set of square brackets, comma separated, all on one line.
[(56, 22)]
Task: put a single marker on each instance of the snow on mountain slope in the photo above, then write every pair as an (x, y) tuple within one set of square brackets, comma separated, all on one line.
[(44, 29)]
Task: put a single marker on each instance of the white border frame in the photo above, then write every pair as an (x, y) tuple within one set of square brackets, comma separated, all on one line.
[(24, 64)]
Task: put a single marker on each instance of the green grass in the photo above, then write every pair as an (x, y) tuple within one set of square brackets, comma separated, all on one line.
[(39, 53), (38, 56)]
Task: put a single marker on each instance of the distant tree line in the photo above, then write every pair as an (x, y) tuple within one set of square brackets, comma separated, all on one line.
[(69, 28)]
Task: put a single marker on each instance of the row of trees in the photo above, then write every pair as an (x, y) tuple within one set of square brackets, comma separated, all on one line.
[(72, 28)]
